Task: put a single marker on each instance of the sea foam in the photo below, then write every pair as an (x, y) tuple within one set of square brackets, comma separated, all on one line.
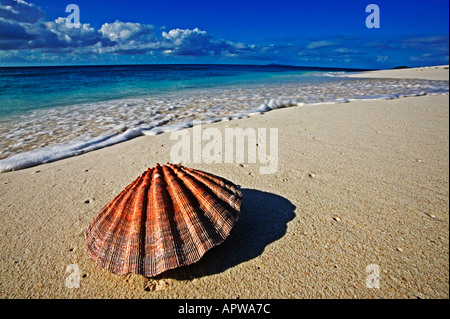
[(48, 135)]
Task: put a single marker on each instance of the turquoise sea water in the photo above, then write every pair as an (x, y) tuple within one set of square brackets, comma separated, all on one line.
[(31, 88)]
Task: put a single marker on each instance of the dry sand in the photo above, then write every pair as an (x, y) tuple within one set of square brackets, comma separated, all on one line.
[(358, 184), (439, 72)]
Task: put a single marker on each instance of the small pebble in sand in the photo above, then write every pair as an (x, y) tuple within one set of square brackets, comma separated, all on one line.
[(285, 179), (399, 249), (336, 218), (419, 160), (312, 175), (432, 216)]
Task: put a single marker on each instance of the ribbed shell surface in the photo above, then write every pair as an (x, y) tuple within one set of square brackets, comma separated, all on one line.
[(166, 218)]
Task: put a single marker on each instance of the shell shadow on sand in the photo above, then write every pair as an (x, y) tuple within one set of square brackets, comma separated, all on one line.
[(263, 220)]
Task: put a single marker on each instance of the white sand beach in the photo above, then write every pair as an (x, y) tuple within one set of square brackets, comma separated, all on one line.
[(360, 186), (439, 72)]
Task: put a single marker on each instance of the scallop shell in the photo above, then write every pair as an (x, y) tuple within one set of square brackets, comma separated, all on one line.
[(167, 218)]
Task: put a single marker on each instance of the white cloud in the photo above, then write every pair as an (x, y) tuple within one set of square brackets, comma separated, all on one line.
[(20, 11), (195, 42), (320, 44), (342, 50), (128, 38), (178, 35), (186, 42), (23, 29), (127, 31)]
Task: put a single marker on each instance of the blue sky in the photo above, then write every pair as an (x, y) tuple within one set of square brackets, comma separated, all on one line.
[(308, 33)]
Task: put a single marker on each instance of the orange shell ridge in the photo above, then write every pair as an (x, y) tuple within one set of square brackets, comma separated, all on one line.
[(168, 217)]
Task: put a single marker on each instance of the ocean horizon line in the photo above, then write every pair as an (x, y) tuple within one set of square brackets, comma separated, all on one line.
[(297, 67)]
